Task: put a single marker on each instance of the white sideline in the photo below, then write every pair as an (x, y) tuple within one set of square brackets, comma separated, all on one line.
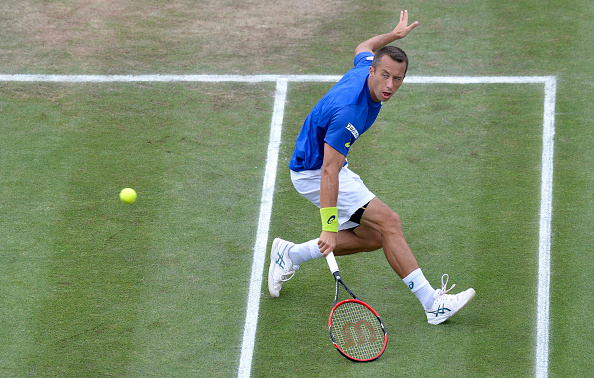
[(251, 318), (546, 202), (544, 243)]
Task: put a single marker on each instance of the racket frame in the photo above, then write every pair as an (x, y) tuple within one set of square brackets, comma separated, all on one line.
[(336, 272)]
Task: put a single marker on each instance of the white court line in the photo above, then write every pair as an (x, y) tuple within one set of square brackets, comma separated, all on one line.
[(253, 304), (544, 252), (546, 204), (265, 78), (167, 78)]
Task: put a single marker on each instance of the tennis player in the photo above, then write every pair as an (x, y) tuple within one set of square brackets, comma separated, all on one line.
[(353, 218)]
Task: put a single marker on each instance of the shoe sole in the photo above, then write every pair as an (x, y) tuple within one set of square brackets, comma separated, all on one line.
[(471, 294), (273, 252)]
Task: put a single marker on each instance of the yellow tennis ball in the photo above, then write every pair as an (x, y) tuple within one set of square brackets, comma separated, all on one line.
[(128, 195)]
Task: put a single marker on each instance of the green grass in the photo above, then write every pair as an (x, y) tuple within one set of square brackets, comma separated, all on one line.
[(98, 287), (90, 286), (467, 190)]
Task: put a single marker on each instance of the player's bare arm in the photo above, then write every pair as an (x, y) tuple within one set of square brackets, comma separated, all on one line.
[(400, 31), (333, 162)]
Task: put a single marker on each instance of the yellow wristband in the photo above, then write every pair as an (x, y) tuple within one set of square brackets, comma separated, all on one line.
[(329, 219)]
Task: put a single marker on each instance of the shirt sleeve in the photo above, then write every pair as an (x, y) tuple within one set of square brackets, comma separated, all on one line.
[(364, 58), (342, 132)]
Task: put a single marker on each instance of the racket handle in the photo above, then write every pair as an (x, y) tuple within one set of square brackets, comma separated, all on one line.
[(332, 262)]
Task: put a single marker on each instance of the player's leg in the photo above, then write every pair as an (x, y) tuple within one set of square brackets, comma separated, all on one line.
[(439, 306), (285, 256), (382, 219), (358, 239)]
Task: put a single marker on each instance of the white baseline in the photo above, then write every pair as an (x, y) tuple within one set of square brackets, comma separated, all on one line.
[(253, 304)]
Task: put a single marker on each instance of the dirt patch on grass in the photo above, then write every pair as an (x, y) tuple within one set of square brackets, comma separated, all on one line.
[(146, 33), (58, 23), (259, 23)]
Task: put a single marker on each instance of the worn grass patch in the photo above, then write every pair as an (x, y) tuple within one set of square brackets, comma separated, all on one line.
[(150, 36)]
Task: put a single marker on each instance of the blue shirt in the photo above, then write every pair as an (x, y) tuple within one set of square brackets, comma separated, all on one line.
[(339, 118)]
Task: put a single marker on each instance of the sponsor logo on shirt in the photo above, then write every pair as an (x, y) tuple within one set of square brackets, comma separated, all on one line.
[(353, 130)]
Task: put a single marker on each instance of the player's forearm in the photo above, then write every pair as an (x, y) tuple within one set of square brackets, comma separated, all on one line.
[(333, 162), (328, 188), (400, 31), (328, 211), (375, 43)]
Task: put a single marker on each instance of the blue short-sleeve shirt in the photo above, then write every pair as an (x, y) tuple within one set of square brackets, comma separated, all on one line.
[(339, 118)]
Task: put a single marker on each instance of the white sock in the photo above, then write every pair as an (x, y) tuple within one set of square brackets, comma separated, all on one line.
[(418, 284), (303, 252)]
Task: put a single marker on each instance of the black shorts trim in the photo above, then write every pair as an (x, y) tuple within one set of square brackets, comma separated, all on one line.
[(356, 217)]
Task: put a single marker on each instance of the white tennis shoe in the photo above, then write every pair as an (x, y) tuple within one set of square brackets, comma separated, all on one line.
[(446, 305), (281, 267)]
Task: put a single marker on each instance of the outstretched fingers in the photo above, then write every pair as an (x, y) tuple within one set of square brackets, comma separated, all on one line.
[(403, 28)]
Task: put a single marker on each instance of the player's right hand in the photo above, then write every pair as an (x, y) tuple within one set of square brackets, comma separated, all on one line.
[(327, 242)]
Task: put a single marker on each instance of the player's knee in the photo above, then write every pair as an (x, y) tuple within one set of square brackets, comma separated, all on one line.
[(391, 224)]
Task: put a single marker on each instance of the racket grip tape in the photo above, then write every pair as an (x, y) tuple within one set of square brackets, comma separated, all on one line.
[(332, 262)]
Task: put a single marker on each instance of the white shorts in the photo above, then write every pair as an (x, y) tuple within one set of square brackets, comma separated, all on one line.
[(352, 192)]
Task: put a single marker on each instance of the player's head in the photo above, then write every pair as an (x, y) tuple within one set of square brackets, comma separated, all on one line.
[(395, 53), (387, 72)]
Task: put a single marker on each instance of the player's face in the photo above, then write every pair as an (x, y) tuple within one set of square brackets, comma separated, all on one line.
[(385, 80)]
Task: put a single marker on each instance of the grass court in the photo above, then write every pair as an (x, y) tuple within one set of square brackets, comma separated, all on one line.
[(90, 286)]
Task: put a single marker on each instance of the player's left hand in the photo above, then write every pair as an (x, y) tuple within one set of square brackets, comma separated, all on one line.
[(403, 28)]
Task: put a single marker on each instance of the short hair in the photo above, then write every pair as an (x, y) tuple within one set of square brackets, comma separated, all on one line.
[(393, 52)]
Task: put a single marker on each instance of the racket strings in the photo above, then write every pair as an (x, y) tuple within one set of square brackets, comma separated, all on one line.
[(357, 331)]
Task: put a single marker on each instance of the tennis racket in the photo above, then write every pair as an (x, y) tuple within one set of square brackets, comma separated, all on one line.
[(355, 328)]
